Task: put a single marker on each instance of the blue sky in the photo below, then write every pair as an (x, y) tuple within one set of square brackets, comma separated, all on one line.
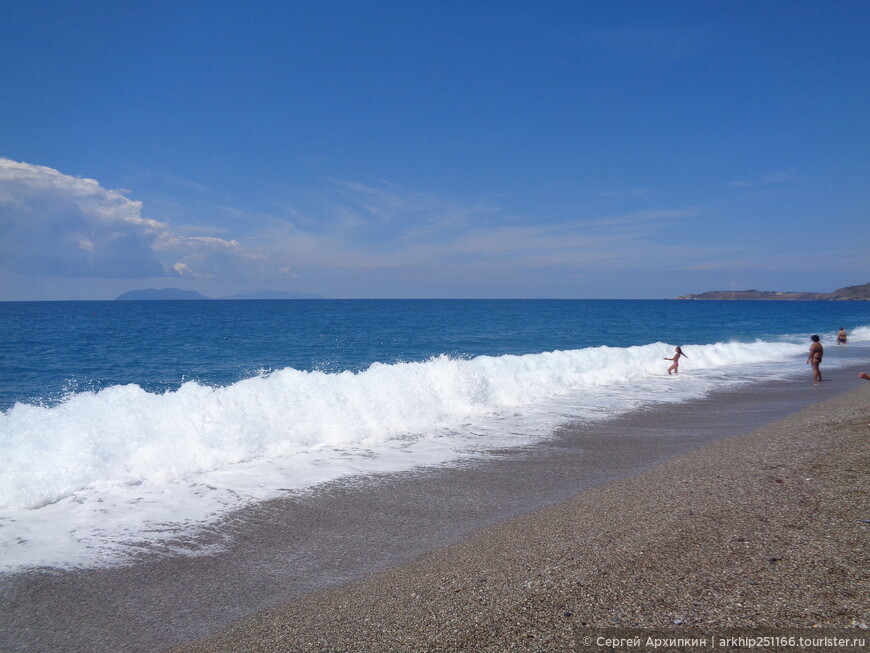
[(433, 149)]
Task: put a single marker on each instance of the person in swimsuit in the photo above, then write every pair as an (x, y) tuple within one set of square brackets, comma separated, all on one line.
[(815, 358), (841, 336), (675, 368)]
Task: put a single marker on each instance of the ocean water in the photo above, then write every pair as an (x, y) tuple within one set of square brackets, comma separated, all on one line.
[(127, 427)]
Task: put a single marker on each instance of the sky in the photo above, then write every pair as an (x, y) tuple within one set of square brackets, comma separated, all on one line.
[(406, 149)]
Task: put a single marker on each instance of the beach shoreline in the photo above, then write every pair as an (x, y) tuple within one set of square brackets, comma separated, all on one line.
[(302, 551), (763, 531)]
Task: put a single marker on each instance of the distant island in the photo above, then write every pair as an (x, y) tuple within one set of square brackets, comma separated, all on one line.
[(849, 293), (162, 293), (177, 293)]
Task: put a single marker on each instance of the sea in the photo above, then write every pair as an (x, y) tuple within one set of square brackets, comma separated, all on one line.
[(128, 427)]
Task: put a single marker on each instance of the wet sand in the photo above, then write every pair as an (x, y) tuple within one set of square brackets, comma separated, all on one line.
[(706, 523)]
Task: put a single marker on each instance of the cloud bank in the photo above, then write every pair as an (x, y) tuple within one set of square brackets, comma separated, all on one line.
[(55, 224), (347, 239), (52, 224)]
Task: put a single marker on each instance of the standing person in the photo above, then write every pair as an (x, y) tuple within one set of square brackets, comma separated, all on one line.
[(675, 368), (815, 358), (841, 336)]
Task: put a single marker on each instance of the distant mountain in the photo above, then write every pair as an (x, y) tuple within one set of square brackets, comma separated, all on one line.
[(275, 294), (849, 293), (162, 293)]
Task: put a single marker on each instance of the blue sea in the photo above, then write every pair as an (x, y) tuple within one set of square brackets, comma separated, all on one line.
[(128, 426)]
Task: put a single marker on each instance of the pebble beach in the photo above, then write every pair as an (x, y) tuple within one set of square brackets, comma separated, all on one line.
[(747, 510), (763, 530)]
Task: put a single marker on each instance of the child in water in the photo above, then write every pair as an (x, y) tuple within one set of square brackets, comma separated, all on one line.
[(675, 368)]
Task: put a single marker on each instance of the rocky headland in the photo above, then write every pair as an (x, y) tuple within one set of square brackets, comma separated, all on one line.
[(849, 293)]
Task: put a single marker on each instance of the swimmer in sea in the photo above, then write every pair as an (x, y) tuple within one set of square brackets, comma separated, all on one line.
[(815, 358), (841, 336), (675, 368)]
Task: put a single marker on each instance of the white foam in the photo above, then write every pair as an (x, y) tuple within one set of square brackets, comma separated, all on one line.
[(103, 474), (859, 335)]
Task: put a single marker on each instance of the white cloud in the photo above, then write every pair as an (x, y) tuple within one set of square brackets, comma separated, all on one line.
[(204, 257), (60, 225), (351, 235), (359, 226), (53, 224)]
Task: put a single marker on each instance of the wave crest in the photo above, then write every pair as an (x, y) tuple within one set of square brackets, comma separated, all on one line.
[(123, 435)]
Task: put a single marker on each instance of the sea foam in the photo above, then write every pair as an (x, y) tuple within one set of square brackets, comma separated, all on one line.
[(107, 466)]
